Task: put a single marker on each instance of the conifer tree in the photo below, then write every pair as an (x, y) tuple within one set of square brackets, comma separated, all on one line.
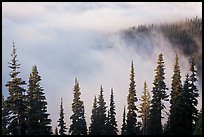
[(16, 100), (123, 128), (189, 101), (111, 119), (176, 116), (62, 124), (159, 95), (186, 104), (101, 114), (93, 125), (131, 121), (78, 126), (37, 116), (144, 109), (194, 91)]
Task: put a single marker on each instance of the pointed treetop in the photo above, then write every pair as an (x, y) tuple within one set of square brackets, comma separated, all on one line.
[(76, 81)]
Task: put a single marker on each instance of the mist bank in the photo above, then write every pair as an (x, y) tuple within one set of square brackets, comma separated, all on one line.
[(183, 37)]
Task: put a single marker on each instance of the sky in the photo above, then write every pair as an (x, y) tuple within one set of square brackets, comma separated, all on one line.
[(69, 40)]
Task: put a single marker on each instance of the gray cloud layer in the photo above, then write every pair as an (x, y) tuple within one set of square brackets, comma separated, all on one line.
[(68, 40)]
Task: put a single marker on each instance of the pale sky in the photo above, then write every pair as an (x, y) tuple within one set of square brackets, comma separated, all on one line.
[(68, 40)]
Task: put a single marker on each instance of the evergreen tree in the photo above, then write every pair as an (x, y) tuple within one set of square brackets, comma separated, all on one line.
[(123, 129), (159, 95), (186, 102), (194, 91), (93, 125), (131, 121), (78, 126), (38, 121), (189, 101), (101, 114), (111, 119), (5, 117), (176, 109), (16, 99), (62, 124), (56, 131), (145, 109)]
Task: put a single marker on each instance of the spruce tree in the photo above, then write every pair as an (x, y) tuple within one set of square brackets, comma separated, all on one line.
[(131, 121), (189, 101), (101, 115), (186, 104), (78, 125), (194, 91), (159, 95), (62, 124), (94, 120), (37, 121), (144, 109), (123, 128), (111, 119), (176, 116), (16, 100)]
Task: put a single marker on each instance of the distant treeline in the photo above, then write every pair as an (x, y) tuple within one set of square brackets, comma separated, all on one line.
[(185, 35)]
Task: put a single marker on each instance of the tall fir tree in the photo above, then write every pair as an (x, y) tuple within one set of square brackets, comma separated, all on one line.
[(186, 104), (78, 125), (111, 119), (123, 128), (189, 101), (93, 124), (194, 91), (5, 117), (131, 121), (62, 124), (144, 109), (16, 103), (159, 95), (176, 109), (101, 114), (37, 121)]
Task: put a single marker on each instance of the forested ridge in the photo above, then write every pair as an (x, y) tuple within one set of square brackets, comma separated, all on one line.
[(24, 110)]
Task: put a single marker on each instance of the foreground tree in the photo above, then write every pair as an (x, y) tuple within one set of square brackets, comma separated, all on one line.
[(78, 125), (189, 101), (37, 116), (93, 125), (131, 121), (159, 95), (16, 104), (101, 114), (176, 108), (111, 119), (144, 109), (193, 91), (123, 129), (62, 124)]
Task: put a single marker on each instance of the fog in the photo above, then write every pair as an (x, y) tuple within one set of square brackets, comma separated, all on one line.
[(69, 40)]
